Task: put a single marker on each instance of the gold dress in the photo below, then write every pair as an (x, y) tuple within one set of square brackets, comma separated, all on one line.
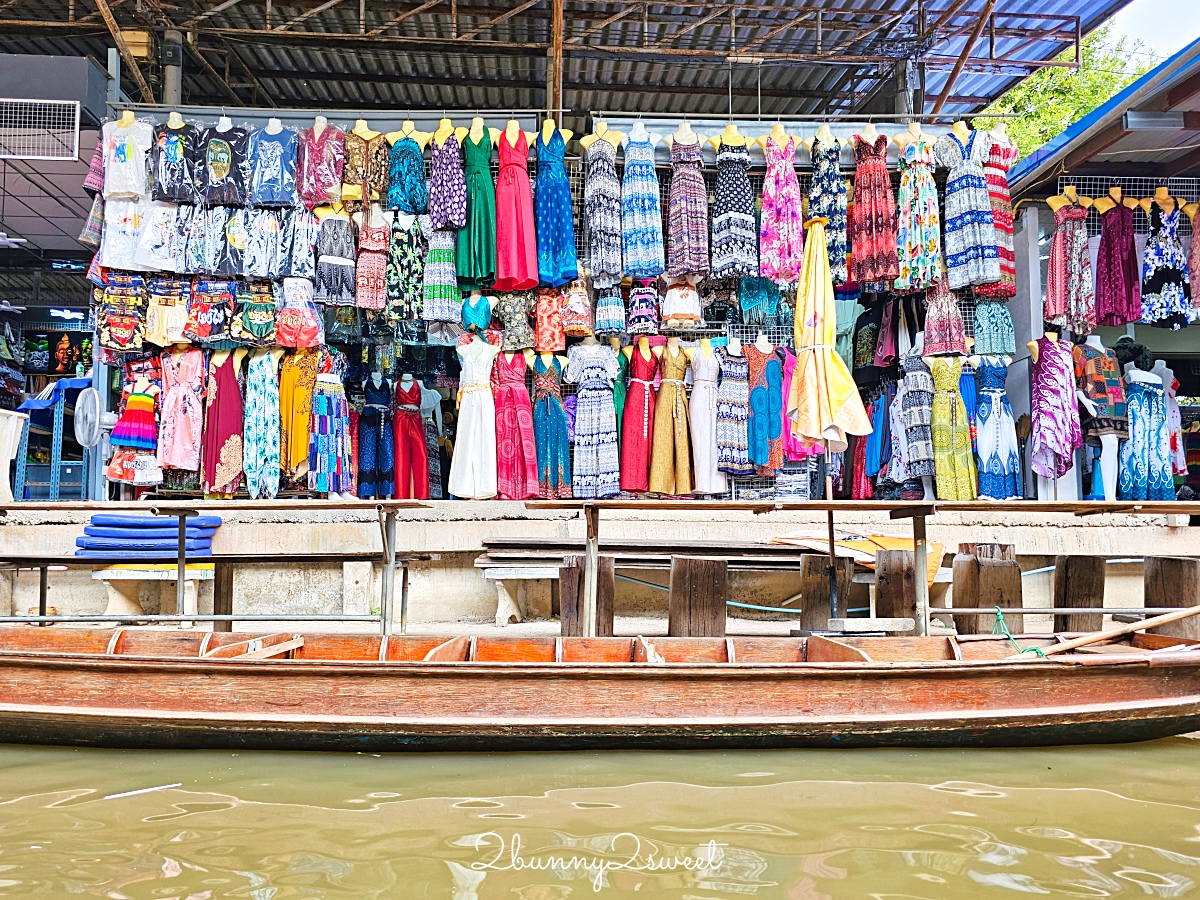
[(671, 457), (953, 462)]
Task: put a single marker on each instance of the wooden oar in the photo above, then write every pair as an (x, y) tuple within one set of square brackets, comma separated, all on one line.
[(1130, 628)]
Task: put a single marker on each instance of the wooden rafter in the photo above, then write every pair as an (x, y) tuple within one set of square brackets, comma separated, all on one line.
[(966, 54), (123, 49), (516, 10), (407, 14)]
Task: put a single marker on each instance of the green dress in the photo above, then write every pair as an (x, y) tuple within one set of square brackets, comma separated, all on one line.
[(477, 240), (620, 386)]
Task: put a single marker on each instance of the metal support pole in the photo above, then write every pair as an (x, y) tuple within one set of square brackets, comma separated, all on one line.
[(404, 598), (181, 567), (591, 568), (171, 56), (832, 571), (389, 572), (921, 575), (43, 589), (56, 439)]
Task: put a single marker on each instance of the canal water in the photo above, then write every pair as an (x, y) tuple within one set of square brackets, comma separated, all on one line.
[(797, 825)]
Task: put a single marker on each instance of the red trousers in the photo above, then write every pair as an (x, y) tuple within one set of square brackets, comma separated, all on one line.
[(412, 459)]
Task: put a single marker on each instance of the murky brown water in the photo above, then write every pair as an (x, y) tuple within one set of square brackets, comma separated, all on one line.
[(1078, 822)]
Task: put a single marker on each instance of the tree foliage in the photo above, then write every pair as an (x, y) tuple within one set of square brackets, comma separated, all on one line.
[(1052, 98)]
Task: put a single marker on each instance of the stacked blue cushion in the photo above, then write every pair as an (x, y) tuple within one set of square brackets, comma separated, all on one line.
[(119, 536)]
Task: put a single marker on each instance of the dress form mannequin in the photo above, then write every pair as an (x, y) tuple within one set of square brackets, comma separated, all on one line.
[(644, 348), (548, 126), (363, 130), (961, 130), (223, 124), (602, 133), (778, 135), (903, 138), (1114, 197), (1069, 196), (868, 133), (762, 345), (639, 133), (126, 118), (320, 123), (444, 130), (734, 346), (408, 128), (684, 135), (824, 135), (1162, 196), (1109, 444), (274, 126), (475, 132), (513, 133), (730, 136), (175, 120)]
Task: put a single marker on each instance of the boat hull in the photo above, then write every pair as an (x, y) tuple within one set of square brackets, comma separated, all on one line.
[(489, 707)]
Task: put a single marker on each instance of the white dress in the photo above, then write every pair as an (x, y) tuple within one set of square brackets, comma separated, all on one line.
[(703, 415), (473, 467)]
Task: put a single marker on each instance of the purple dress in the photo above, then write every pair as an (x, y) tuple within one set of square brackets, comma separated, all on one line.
[(447, 186), (1118, 281), (1055, 433), (687, 239)]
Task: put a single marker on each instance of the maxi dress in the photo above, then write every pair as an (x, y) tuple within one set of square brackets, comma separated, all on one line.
[(971, 255), (222, 455), (597, 469), (473, 468), (516, 233), (181, 431), (919, 231), (734, 231), (1070, 295), (475, 253), (827, 200), (641, 212), (1003, 154), (1055, 434), (999, 454), (765, 425), (706, 372), (637, 424), (733, 414), (557, 261), (1118, 279), (602, 206), (516, 448), (874, 260), (1145, 463), (671, 462), (687, 210), (781, 225), (260, 429), (551, 431), (954, 466)]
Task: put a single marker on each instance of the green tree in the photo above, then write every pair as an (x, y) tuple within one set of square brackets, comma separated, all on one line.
[(1052, 98)]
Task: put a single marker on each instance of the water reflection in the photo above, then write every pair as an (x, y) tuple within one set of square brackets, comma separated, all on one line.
[(1082, 822)]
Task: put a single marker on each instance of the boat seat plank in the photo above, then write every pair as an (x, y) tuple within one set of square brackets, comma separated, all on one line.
[(903, 649), (454, 650), (274, 650), (516, 650), (768, 650), (350, 647), (237, 648), (406, 648), (823, 649), (597, 650)]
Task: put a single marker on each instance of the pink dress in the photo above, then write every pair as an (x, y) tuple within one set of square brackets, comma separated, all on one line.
[(781, 232), (181, 431), (516, 233), (516, 450), (1055, 434)]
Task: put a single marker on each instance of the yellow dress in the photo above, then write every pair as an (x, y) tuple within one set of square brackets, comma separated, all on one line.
[(297, 378), (823, 404), (953, 462), (671, 455)]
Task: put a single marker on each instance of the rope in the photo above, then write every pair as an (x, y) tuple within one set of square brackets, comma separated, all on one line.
[(1002, 628)]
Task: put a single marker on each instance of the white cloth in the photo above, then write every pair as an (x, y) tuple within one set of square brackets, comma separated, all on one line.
[(125, 154), (703, 414), (159, 242), (118, 244), (473, 468), (12, 424)]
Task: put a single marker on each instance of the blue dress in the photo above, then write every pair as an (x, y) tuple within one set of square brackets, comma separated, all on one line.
[(550, 430), (1145, 464), (407, 192), (641, 212), (557, 261), (476, 316), (998, 452)]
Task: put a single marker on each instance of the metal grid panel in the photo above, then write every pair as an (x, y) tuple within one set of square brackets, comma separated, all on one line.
[(39, 129), (1096, 186)]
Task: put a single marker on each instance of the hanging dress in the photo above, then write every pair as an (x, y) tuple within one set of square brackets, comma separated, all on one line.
[(473, 467), (610, 311), (412, 456), (260, 430), (733, 414), (370, 273), (1070, 299), (516, 449), (918, 415), (447, 186), (999, 454), (874, 260), (641, 212), (643, 308), (827, 200), (994, 332), (1145, 463), (702, 413), (335, 262), (995, 168), (597, 468), (550, 430), (136, 428), (475, 254), (182, 429), (516, 234), (405, 274), (366, 166), (944, 331), (637, 424), (441, 298), (222, 454), (297, 379), (971, 255), (556, 257), (1166, 297), (734, 230), (602, 207), (620, 389), (765, 424), (407, 192), (513, 309), (671, 462), (954, 466), (918, 234), (781, 226), (1054, 430), (330, 454), (1118, 280), (687, 211)]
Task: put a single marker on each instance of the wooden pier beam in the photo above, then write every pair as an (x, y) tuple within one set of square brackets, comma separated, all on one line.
[(987, 576), (1079, 582), (699, 588), (895, 585), (1173, 581)]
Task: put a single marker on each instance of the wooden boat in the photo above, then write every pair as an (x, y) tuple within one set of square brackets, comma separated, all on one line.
[(138, 687)]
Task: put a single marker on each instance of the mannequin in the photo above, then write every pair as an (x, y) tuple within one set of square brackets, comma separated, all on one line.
[(274, 126), (408, 129), (363, 130), (639, 133), (1109, 443), (548, 126), (323, 212), (1114, 197), (602, 133), (475, 132), (320, 123), (868, 133), (903, 138), (1190, 211), (778, 135), (734, 347), (223, 124), (730, 137), (1069, 196), (684, 135), (644, 348), (762, 345), (999, 133), (824, 135), (1162, 196), (513, 133), (175, 121), (444, 130), (127, 118), (961, 130)]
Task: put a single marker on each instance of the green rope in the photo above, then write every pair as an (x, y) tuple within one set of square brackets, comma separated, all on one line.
[(1002, 628)]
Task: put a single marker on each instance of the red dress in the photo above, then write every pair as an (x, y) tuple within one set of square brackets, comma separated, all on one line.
[(874, 258), (637, 424), (408, 435), (516, 234), (516, 451)]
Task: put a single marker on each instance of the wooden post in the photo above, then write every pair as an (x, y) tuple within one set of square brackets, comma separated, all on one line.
[(1079, 582), (606, 590), (986, 575), (554, 63), (570, 596), (1172, 581), (699, 588), (222, 595), (591, 567), (895, 585), (814, 586)]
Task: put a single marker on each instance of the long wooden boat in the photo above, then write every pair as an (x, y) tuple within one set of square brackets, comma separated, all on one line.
[(138, 687)]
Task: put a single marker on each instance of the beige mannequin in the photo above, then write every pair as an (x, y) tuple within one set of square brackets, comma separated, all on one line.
[(444, 130), (331, 209), (644, 348), (175, 120), (1033, 347), (868, 133), (408, 128), (904, 138), (513, 133), (779, 137), (126, 118), (548, 126), (589, 340), (1162, 196), (824, 135), (673, 349), (1069, 196), (363, 130), (762, 345), (614, 342), (373, 216), (1114, 196), (684, 135), (961, 130), (706, 347), (730, 137), (734, 346), (276, 357), (999, 133), (602, 133), (475, 132), (1190, 211), (320, 123)]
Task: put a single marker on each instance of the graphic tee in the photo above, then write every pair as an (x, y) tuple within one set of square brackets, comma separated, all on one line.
[(224, 166), (174, 163), (125, 152)]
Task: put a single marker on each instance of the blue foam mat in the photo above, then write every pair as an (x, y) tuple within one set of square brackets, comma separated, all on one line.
[(127, 521), (145, 534), (137, 554), (99, 543)]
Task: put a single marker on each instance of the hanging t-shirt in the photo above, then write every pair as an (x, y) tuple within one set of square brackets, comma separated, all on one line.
[(273, 168), (174, 163), (866, 342), (307, 227), (125, 151), (224, 163), (118, 241), (159, 244), (283, 246), (262, 246), (233, 248)]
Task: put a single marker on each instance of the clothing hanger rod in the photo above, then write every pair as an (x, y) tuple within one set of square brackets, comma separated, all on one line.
[(822, 117)]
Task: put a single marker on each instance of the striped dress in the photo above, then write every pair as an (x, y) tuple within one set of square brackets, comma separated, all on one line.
[(971, 255), (687, 252)]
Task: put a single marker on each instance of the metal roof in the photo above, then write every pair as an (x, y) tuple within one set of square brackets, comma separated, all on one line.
[(1151, 128)]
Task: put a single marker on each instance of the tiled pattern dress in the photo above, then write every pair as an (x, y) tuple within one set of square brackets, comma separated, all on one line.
[(641, 212), (918, 413), (602, 206), (827, 199), (971, 256), (733, 414), (765, 426), (1145, 464), (597, 470), (944, 331), (687, 247), (919, 233), (999, 454), (953, 463), (1070, 298), (781, 227), (734, 231)]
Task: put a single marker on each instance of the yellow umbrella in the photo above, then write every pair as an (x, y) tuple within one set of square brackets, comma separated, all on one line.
[(824, 404)]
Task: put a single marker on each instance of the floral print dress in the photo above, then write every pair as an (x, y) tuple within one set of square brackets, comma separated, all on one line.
[(734, 232), (407, 249), (827, 199), (1165, 290), (781, 229), (919, 233), (971, 257)]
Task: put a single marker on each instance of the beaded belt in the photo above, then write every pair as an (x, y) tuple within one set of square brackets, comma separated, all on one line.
[(679, 411), (645, 404)]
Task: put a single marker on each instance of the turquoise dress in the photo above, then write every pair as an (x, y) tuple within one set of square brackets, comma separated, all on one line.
[(476, 316), (557, 260), (550, 430)]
